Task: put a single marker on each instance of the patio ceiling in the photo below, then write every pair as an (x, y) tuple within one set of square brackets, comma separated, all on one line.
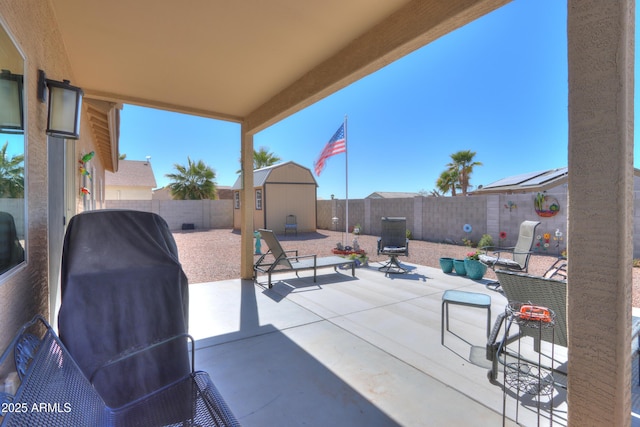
[(249, 61)]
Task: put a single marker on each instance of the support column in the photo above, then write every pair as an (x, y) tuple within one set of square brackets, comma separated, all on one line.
[(600, 206), (246, 205)]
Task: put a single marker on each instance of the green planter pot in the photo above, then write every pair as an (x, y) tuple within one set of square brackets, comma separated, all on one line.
[(446, 264), (475, 269), (458, 265)]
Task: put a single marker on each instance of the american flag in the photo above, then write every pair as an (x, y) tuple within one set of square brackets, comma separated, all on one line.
[(336, 145)]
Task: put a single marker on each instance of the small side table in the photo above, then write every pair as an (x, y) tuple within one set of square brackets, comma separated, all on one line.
[(470, 299)]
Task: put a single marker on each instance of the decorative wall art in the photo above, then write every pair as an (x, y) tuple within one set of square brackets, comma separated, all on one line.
[(546, 206)]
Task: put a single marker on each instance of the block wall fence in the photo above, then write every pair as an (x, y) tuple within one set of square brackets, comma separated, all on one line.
[(203, 214), (435, 219), (443, 219)]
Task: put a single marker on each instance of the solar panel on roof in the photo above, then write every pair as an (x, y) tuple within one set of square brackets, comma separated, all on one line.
[(514, 180), (546, 177)]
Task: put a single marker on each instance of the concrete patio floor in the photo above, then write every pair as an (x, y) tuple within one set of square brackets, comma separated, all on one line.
[(361, 351)]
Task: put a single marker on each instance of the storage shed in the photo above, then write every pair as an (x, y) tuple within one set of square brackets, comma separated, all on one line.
[(280, 190)]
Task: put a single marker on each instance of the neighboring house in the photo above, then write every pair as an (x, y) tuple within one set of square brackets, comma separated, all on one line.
[(133, 181), (526, 182), (280, 190), (391, 195), (548, 189), (162, 193)]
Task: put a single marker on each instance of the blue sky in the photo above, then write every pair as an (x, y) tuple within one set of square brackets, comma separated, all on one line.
[(497, 86)]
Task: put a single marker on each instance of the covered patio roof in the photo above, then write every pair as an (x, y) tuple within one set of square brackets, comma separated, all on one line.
[(251, 61)]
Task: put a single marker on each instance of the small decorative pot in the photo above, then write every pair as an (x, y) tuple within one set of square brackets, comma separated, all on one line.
[(446, 264), (475, 269), (458, 265)]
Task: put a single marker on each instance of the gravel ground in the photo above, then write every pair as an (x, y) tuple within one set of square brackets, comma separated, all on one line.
[(212, 255)]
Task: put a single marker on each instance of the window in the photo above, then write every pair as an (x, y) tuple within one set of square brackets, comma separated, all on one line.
[(236, 200), (259, 200)]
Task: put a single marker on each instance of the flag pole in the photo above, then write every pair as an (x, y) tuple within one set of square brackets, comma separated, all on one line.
[(346, 179)]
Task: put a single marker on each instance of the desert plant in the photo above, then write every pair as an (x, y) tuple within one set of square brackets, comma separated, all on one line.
[(468, 242), (485, 240)]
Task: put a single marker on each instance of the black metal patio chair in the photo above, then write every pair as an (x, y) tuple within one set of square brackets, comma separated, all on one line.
[(394, 243)]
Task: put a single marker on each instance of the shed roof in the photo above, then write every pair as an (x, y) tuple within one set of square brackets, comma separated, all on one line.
[(131, 173), (260, 176)]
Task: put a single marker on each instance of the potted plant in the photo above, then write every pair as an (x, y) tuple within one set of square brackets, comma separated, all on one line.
[(458, 266), (474, 268), (446, 264)]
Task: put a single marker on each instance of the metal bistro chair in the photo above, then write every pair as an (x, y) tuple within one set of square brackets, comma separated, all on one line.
[(393, 242), (291, 224), (48, 374)]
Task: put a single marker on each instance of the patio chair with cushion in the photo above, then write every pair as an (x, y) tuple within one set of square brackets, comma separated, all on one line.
[(277, 260), (393, 242), (514, 258)]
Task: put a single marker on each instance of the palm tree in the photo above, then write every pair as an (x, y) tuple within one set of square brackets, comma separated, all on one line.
[(447, 181), (463, 163), (11, 174), (195, 181), (263, 158)]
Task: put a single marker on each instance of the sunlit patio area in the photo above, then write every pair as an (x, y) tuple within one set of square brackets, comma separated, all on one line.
[(358, 351)]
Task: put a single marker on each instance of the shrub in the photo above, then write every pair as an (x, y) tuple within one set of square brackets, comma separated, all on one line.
[(409, 236), (485, 240)]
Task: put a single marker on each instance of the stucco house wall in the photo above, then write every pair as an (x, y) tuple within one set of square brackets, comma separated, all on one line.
[(25, 291)]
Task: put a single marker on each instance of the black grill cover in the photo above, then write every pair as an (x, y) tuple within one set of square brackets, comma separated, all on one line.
[(123, 288)]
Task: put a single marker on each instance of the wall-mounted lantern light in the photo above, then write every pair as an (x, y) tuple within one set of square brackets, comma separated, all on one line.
[(11, 111), (63, 119)]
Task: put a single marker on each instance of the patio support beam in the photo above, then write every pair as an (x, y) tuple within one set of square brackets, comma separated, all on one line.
[(601, 87), (413, 26), (246, 205)]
